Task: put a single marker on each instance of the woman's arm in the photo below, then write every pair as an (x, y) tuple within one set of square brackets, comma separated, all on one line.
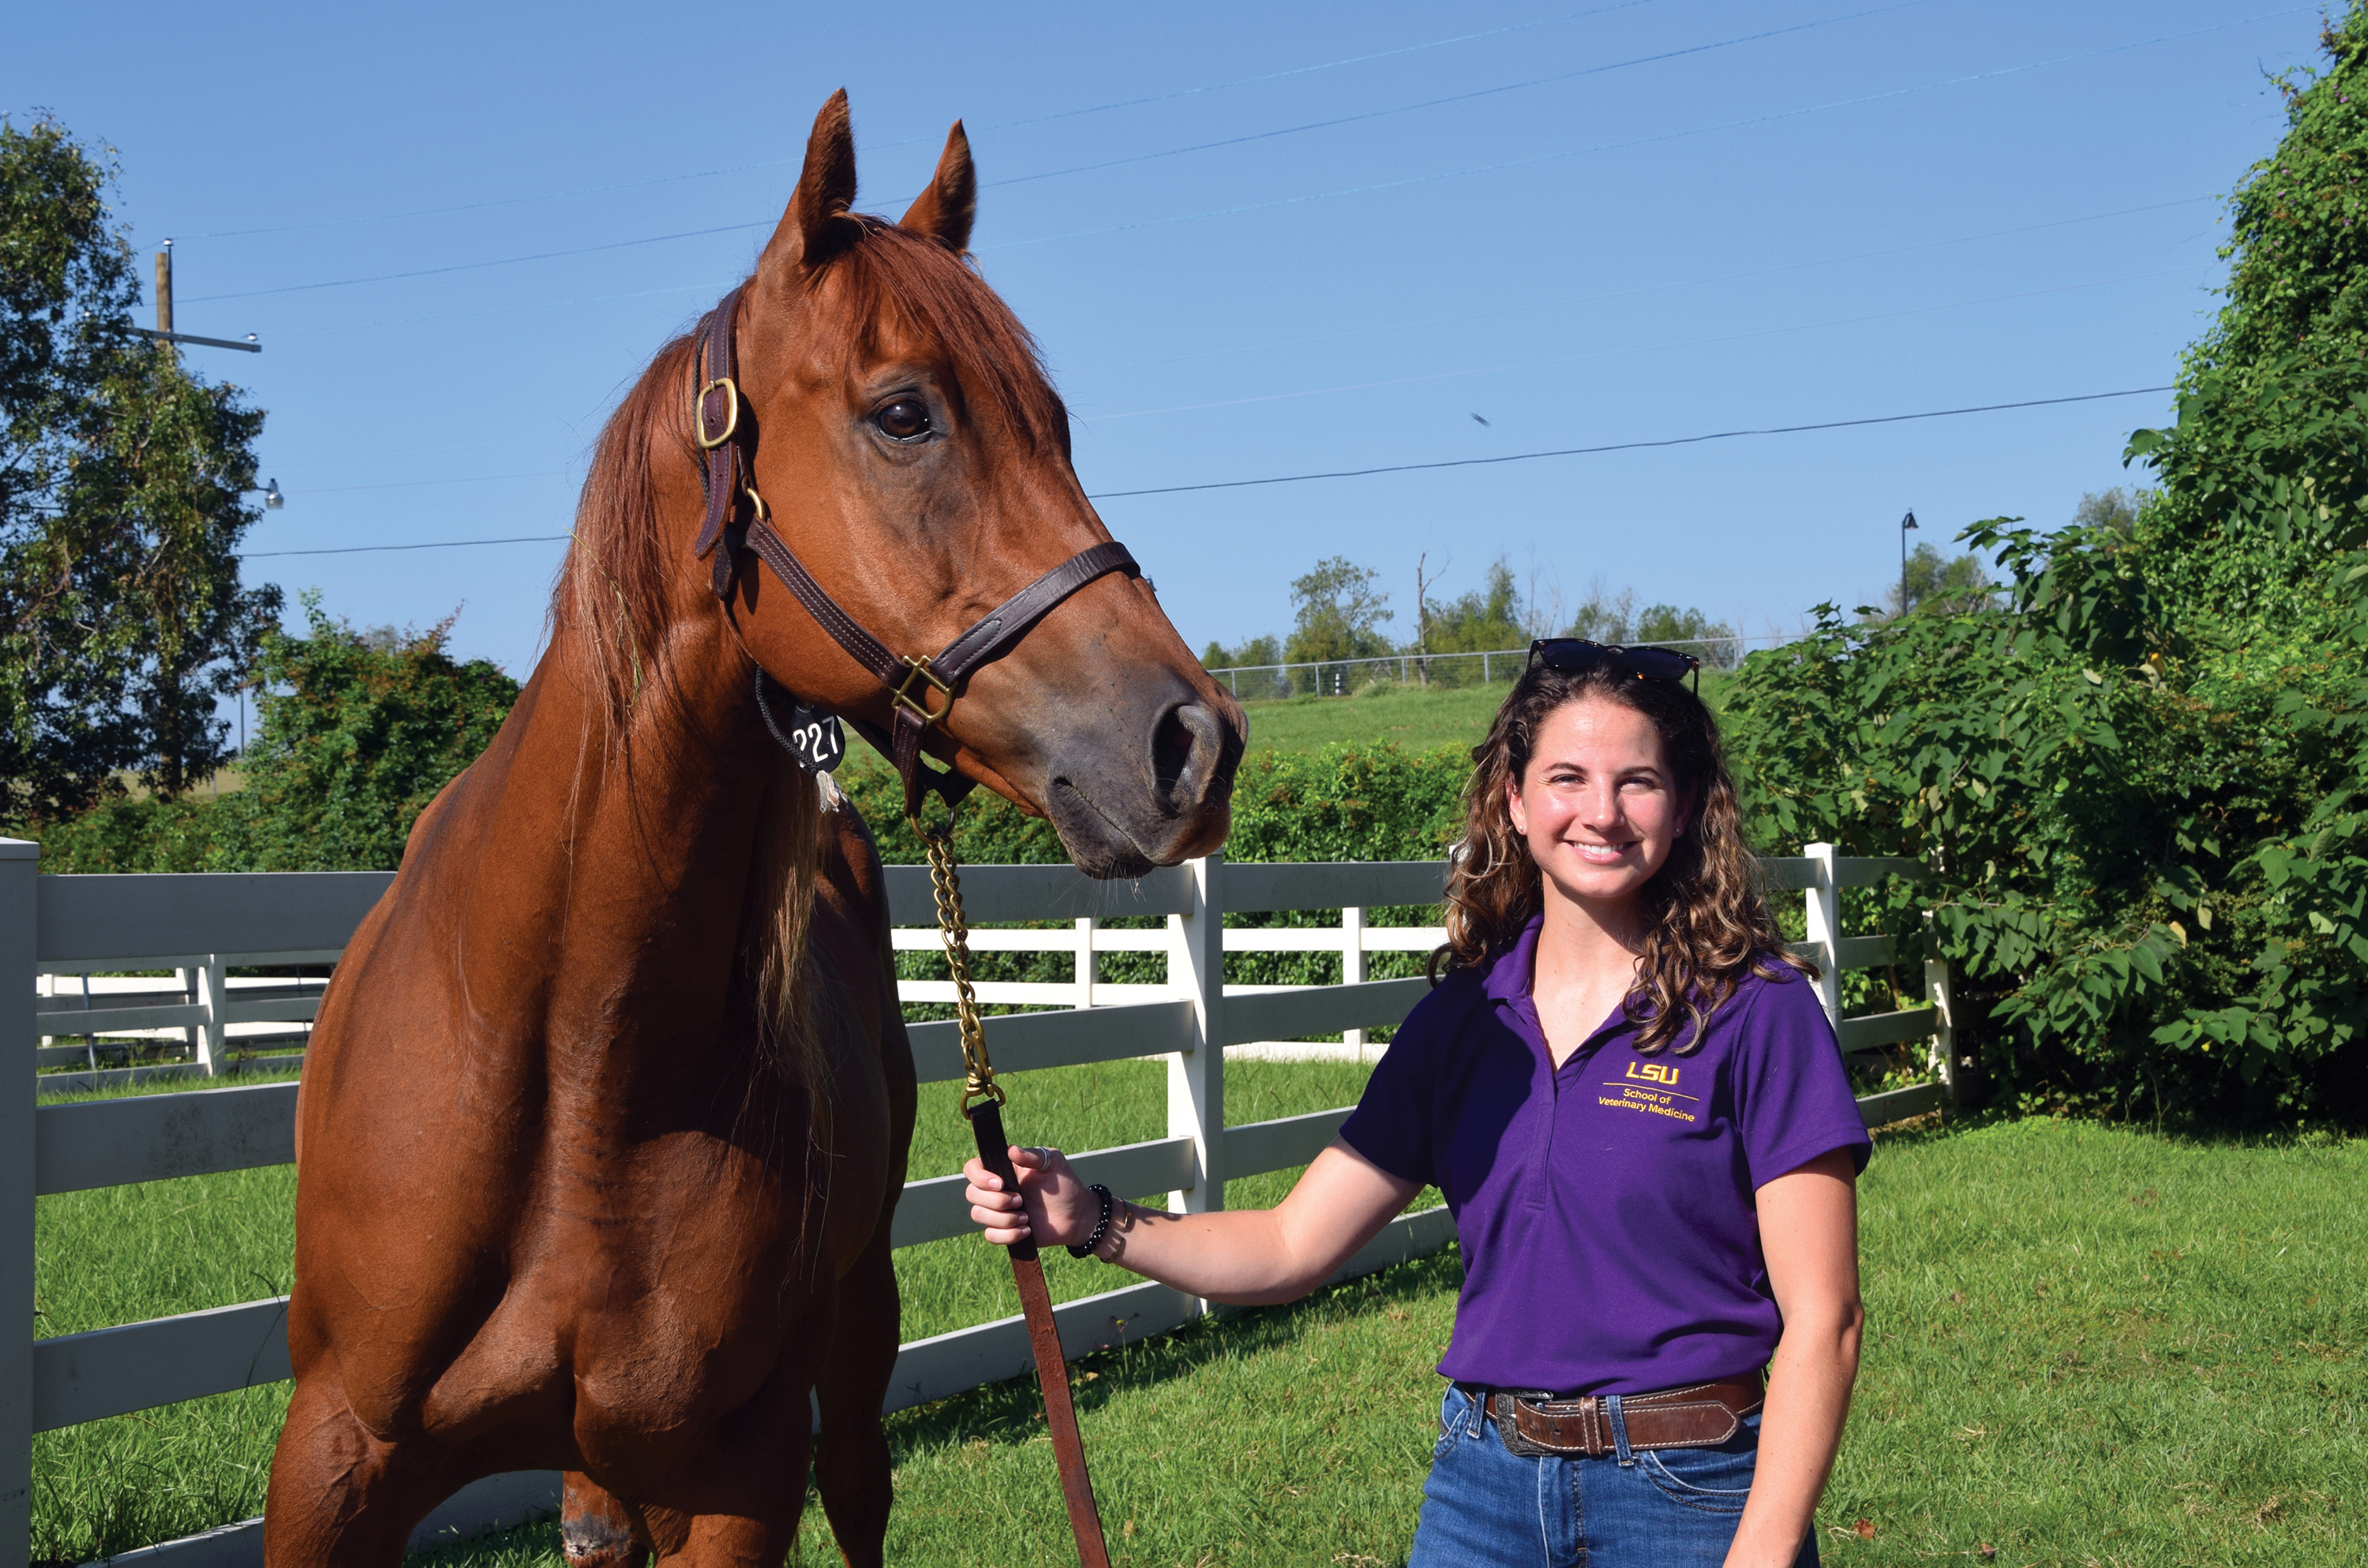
[(1808, 1231), (1243, 1257)]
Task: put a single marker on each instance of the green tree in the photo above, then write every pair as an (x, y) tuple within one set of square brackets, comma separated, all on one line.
[(1484, 621), (1339, 614), (1247, 654), (121, 475), (1711, 642), (1957, 583), (2116, 509), (359, 732), (1604, 617)]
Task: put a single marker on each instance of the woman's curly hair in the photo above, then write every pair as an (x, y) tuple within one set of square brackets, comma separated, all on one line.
[(1706, 924)]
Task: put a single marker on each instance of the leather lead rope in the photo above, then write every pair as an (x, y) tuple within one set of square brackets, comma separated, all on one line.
[(922, 691), (994, 1152)]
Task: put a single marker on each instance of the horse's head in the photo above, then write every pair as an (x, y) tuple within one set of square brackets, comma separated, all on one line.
[(901, 433)]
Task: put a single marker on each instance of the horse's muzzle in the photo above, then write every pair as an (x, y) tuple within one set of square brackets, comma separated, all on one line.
[(1123, 805)]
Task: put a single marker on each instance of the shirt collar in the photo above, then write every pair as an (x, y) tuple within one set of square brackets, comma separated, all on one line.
[(1509, 976)]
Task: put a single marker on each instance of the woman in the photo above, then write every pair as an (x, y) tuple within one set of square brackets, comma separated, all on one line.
[(1634, 1105)]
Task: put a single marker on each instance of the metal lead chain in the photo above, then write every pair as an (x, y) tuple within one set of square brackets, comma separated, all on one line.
[(978, 1074)]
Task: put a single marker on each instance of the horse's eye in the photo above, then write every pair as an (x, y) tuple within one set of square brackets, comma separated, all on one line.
[(906, 419)]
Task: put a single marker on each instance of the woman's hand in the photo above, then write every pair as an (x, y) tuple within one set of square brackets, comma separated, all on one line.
[(1052, 1204)]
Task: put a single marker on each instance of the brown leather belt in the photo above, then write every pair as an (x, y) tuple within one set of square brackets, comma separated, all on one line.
[(1701, 1415)]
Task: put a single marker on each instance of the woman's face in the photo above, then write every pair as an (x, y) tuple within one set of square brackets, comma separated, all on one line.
[(1598, 803)]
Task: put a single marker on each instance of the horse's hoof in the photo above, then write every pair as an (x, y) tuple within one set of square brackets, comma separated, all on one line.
[(596, 1540)]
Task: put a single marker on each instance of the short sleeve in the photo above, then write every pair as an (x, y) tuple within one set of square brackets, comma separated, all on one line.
[(1392, 1124), (1793, 1095)]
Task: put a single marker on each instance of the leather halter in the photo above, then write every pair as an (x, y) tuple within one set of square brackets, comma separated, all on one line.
[(921, 689)]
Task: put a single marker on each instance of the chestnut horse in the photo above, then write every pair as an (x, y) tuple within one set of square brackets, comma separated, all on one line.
[(607, 1112)]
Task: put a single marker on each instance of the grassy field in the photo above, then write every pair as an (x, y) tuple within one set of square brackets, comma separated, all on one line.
[(2087, 1344), (117, 1255), (1415, 717)]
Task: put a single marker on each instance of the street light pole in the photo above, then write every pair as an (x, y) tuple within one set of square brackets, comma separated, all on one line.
[(1905, 523)]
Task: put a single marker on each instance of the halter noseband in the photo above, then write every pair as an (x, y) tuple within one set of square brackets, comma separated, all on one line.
[(921, 689)]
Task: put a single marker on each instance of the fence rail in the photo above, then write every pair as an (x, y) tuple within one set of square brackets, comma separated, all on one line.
[(1344, 677), (82, 926)]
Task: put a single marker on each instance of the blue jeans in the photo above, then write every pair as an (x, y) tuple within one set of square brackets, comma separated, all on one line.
[(1483, 1507)]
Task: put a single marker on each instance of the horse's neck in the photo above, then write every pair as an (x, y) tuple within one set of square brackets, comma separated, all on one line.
[(630, 865)]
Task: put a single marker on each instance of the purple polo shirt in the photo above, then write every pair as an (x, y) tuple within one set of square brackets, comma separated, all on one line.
[(1605, 1209)]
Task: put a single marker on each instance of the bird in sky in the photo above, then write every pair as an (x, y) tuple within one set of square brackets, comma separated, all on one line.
[(1482, 421)]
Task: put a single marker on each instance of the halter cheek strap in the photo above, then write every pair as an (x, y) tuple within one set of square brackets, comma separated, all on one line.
[(921, 689)]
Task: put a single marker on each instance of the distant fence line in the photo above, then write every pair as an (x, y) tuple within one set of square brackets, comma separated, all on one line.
[(1345, 677)]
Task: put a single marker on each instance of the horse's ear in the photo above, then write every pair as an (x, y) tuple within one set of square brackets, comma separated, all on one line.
[(944, 211), (816, 225)]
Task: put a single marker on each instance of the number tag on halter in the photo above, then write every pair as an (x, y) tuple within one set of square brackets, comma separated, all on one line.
[(815, 739)]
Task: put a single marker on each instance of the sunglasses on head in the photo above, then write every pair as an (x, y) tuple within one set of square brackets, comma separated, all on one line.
[(1577, 656)]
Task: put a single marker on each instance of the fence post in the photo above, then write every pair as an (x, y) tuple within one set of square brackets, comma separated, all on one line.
[(1196, 1078), (214, 995), (1353, 966), (19, 890), (1944, 1039), (1086, 928), (1824, 910)]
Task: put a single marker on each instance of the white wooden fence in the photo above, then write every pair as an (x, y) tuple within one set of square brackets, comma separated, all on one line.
[(203, 926)]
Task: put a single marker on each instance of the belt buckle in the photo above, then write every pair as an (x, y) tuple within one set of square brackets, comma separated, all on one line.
[(1594, 1436)]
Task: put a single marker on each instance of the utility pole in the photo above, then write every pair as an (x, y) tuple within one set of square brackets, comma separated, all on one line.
[(164, 291), (1905, 523), (163, 331)]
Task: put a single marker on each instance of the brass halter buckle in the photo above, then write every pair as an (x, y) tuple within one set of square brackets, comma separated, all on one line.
[(732, 415), (918, 703)]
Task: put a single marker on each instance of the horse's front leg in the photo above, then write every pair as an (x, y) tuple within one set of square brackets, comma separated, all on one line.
[(852, 1468), (339, 1496)]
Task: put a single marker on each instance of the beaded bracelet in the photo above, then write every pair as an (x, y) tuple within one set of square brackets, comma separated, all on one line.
[(1101, 1226)]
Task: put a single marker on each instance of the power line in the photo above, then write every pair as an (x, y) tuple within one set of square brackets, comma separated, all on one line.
[(1637, 142), (910, 140), (1455, 97), (1302, 70), (1363, 473), (1618, 445), (431, 544), (1315, 196), (477, 266)]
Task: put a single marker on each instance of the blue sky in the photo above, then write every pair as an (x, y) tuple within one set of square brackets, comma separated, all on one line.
[(1589, 224)]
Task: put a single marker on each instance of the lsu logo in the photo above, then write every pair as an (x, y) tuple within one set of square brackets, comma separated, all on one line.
[(1652, 1072)]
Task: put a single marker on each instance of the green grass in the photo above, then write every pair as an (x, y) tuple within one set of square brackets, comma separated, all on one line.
[(118, 1255), (2086, 1345), (1410, 716), (1417, 718)]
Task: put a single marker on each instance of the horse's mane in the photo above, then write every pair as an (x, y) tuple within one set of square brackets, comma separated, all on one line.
[(611, 604)]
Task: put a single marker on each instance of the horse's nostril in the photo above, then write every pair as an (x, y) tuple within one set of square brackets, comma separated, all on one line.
[(1171, 752)]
